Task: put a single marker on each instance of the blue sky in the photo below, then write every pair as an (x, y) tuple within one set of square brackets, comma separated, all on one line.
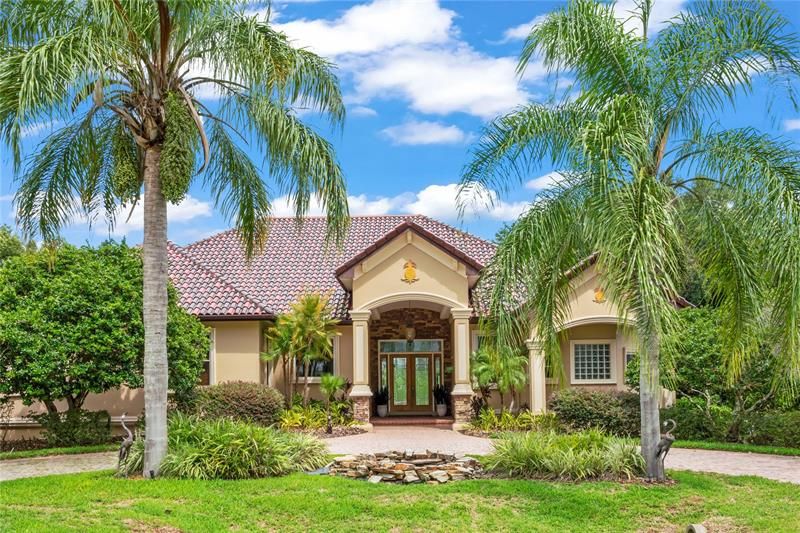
[(419, 79)]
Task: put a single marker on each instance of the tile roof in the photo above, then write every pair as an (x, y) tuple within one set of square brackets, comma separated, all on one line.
[(214, 278)]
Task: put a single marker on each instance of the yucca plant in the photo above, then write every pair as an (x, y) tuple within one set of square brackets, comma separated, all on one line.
[(639, 136), (125, 77)]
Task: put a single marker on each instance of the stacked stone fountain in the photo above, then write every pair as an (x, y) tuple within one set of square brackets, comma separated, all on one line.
[(406, 467)]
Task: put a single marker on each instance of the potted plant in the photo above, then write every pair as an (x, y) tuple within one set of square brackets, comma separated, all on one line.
[(440, 397), (382, 401)]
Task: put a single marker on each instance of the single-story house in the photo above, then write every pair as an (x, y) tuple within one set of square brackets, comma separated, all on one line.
[(402, 290)]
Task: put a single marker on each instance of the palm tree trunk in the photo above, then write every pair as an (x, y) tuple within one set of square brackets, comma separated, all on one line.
[(155, 315), (649, 393), (305, 383)]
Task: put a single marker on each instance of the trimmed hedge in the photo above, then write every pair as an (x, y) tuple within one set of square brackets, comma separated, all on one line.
[(238, 400), (76, 427), (772, 428), (615, 412)]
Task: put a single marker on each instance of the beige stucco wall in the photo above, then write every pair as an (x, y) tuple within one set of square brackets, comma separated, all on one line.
[(237, 345), (381, 273)]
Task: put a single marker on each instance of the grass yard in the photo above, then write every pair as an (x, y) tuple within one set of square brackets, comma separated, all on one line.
[(100, 502)]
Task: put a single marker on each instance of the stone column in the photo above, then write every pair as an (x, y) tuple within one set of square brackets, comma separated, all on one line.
[(462, 390), (361, 392), (537, 377)]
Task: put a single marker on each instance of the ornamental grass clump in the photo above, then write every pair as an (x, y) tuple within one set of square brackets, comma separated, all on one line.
[(228, 449), (567, 457)]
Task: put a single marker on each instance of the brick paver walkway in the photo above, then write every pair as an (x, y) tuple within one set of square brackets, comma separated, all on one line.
[(57, 464), (425, 438)]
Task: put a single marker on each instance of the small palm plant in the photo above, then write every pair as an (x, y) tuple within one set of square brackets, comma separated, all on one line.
[(280, 347), (502, 367), (312, 330), (329, 386)]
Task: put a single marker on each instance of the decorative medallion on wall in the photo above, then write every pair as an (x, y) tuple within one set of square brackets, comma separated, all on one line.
[(599, 295), (410, 272)]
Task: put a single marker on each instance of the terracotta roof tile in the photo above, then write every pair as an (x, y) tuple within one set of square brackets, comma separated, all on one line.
[(293, 261)]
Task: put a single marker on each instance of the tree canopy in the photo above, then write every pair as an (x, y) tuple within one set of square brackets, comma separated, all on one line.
[(71, 324)]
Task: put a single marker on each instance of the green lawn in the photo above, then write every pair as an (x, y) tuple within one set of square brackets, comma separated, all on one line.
[(72, 450), (735, 447), (100, 502)]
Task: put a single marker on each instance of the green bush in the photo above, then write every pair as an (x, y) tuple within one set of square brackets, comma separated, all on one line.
[(228, 449), (75, 427), (238, 400), (313, 416), (694, 421), (577, 456), (488, 420), (615, 412), (773, 428)]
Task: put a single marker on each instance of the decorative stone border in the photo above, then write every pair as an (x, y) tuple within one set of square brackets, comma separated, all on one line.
[(406, 467)]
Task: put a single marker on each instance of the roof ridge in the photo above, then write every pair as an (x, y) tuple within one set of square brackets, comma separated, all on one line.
[(183, 253), (459, 230)]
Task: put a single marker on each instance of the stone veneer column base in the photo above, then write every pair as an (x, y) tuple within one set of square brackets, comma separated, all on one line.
[(361, 409), (462, 410)]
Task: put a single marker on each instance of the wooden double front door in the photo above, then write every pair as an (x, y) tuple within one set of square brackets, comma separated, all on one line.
[(410, 383)]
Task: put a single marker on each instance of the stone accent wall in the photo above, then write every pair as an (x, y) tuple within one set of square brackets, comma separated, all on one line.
[(428, 325), (462, 409), (361, 408)]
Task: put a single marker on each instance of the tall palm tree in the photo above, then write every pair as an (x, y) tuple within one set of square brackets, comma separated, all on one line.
[(125, 77), (636, 137)]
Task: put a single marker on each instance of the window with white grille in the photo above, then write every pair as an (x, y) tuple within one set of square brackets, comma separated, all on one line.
[(591, 362)]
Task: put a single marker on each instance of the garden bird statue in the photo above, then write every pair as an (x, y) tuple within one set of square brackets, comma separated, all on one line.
[(663, 446), (127, 442)]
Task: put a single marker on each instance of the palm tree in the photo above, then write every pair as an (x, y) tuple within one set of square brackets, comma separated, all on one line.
[(637, 136), (329, 386), (502, 367), (312, 330), (280, 347), (125, 77)]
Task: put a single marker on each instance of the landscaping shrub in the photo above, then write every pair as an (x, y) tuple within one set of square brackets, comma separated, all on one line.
[(583, 455), (239, 400), (223, 448), (75, 427), (313, 416), (488, 420), (615, 412), (699, 422), (773, 428)]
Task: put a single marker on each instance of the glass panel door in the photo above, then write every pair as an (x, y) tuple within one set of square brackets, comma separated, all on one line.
[(422, 381), (399, 386)]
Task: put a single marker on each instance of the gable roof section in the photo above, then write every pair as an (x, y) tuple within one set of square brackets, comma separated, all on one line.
[(203, 293), (294, 261), (413, 226)]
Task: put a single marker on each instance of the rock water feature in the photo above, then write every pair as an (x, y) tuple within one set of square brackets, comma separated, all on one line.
[(406, 467)]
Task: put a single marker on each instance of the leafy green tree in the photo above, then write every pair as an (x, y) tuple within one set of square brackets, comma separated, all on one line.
[(73, 325), (503, 367), (10, 244), (125, 76), (329, 386), (639, 132)]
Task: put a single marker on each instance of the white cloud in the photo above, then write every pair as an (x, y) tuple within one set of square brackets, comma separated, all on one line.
[(425, 132), (436, 201), (361, 111), (370, 28), (189, 209), (544, 182), (663, 10), (441, 202), (518, 33), (37, 128), (6, 197), (791, 124), (442, 80)]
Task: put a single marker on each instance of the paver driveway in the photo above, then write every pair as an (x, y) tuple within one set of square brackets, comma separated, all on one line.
[(421, 438)]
